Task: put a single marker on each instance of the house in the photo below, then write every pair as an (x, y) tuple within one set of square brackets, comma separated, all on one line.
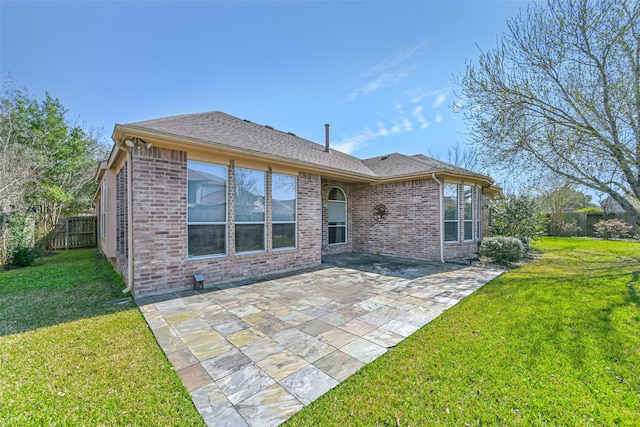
[(225, 198)]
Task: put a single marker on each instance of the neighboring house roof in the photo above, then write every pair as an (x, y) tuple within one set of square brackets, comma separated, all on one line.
[(610, 206), (222, 130), (398, 165)]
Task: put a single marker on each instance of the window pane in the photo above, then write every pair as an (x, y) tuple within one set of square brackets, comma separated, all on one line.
[(337, 234), (337, 212), (207, 192), (283, 199), (284, 236), (451, 231), (249, 237), (468, 230), (207, 240), (337, 194), (250, 194), (451, 201), (468, 202)]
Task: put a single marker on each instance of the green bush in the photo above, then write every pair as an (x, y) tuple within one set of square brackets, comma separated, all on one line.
[(20, 247), (519, 216), (21, 256), (502, 250)]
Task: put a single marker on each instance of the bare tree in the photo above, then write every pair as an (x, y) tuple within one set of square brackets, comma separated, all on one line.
[(561, 93), (18, 163)]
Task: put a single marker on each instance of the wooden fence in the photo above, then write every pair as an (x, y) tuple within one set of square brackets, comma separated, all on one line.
[(579, 224), (74, 232)]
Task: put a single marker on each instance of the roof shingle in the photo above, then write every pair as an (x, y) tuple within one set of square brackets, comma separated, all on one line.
[(221, 129)]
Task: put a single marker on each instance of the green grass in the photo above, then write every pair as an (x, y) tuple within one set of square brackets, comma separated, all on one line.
[(553, 343), (69, 358)]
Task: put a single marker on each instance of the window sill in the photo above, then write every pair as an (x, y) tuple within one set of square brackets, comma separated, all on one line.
[(289, 248), (201, 257), (262, 251)]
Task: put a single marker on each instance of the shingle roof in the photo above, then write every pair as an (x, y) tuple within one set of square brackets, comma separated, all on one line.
[(224, 130), (397, 164)]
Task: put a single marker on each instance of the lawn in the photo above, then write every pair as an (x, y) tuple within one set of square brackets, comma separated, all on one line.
[(553, 343), (69, 357)]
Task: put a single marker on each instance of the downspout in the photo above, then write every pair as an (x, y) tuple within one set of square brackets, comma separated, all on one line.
[(130, 223), (433, 176)]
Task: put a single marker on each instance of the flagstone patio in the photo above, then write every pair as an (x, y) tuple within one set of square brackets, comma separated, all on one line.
[(253, 353)]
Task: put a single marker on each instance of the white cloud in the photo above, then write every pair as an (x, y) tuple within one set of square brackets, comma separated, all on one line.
[(438, 118), (439, 100), (418, 94), (352, 143), (361, 139), (417, 113), (388, 72)]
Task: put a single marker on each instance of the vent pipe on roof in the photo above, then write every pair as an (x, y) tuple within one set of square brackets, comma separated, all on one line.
[(326, 138)]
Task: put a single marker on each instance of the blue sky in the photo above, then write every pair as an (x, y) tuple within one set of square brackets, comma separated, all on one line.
[(381, 73)]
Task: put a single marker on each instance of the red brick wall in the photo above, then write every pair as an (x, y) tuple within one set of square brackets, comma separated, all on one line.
[(411, 228), (161, 264)]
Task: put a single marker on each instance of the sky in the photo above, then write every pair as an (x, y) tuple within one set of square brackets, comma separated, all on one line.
[(381, 73)]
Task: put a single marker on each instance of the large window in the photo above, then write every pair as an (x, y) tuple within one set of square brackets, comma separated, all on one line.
[(250, 210), (479, 214), (468, 212), (103, 208), (337, 214), (207, 209), (451, 218), (283, 211)]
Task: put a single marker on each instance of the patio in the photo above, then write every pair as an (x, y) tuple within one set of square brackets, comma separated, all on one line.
[(255, 352)]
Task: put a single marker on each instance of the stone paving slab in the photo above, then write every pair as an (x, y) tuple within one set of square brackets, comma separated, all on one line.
[(255, 352)]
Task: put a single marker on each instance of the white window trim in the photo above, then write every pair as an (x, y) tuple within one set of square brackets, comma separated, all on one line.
[(103, 208), (263, 222), (346, 215), (457, 212), (294, 222), (479, 213), (226, 213), (473, 212)]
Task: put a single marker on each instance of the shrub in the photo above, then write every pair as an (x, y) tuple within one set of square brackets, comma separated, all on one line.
[(21, 256), (519, 216), (20, 241), (612, 229), (502, 250)]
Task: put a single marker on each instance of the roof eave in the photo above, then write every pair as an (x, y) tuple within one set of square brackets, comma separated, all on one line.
[(121, 132), (441, 172)]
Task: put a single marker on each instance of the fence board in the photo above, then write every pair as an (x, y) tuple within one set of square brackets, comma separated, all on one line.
[(74, 232)]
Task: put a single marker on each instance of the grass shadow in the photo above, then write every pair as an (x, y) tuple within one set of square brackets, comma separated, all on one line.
[(60, 288)]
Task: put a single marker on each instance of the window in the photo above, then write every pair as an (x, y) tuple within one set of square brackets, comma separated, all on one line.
[(283, 211), (468, 212), (250, 210), (451, 219), (479, 214), (103, 208), (337, 215), (206, 209)]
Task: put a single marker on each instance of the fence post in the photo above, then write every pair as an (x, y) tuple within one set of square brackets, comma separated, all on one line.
[(66, 245)]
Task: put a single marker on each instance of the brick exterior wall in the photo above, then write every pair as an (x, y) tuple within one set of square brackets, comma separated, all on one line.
[(410, 229), (161, 263)]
